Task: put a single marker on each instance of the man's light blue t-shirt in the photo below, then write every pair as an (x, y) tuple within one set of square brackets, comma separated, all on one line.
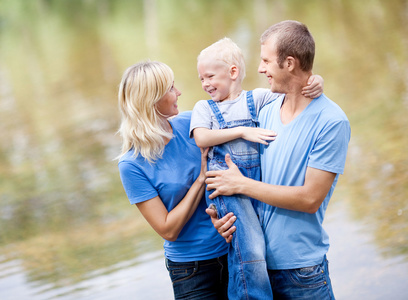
[(317, 138), (170, 178)]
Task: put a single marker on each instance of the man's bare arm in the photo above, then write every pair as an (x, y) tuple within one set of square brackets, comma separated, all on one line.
[(306, 198)]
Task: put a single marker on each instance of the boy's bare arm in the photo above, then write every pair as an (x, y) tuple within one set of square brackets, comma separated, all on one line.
[(205, 137)]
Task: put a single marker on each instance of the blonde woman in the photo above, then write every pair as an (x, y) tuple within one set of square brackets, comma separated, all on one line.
[(163, 172)]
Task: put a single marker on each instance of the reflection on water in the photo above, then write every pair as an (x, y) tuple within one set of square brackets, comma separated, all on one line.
[(144, 277), (66, 227)]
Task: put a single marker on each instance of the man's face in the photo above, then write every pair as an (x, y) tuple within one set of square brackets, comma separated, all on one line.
[(269, 66)]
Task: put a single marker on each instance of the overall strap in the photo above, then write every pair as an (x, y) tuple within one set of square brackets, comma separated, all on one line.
[(217, 113), (251, 106)]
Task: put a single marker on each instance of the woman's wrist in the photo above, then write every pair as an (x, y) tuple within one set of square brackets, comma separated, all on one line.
[(201, 178)]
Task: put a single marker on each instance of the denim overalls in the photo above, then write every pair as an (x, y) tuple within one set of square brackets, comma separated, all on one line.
[(248, 276)]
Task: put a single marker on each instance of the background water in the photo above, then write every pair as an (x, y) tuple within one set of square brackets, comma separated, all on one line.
[(66, 228)]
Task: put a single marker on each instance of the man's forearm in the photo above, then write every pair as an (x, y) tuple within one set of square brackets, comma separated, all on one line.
[(306, 198)]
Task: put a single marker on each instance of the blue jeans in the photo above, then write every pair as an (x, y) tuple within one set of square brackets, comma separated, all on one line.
[(248, 275), (197, 280), (246, 253), (309, 283)]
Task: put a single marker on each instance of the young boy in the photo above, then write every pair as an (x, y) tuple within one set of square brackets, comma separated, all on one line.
[(229, 124)]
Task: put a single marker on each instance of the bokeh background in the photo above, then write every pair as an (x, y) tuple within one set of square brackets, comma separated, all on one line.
[(67, 230)]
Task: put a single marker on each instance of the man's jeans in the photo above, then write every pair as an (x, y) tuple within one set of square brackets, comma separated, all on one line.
[(309, 283), (197, 280)]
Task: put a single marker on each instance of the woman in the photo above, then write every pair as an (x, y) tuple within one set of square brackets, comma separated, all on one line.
[(163, 173)]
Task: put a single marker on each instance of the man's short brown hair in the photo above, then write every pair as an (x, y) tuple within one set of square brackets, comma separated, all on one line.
[(292, 39)]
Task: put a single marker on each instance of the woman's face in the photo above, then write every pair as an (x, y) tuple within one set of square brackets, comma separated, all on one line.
[(167, 105)]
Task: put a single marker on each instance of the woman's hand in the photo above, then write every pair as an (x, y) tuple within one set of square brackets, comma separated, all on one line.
[(257, 135), (314, 87)]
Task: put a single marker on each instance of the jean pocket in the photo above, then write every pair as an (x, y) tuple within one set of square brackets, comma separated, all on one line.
[(309, 277), (181, 273), (244, 149)]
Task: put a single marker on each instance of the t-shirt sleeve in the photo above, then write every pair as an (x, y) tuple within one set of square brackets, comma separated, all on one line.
[(262, 97), (137, 186), (330, 150), (201, 116)]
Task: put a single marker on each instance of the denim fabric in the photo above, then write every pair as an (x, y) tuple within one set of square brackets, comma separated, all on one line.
[(199, 280), (248, 275), (309, 283)]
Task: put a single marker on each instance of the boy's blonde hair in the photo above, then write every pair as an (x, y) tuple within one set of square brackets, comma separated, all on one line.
[(226, 51), (142, 126)]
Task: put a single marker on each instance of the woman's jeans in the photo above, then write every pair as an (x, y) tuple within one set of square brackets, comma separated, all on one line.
[(309, 283), (198, 280)]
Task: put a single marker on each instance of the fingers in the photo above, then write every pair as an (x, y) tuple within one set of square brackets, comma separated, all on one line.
[(228, 234), (213, 194), (310, 80), (267, 138), (310, 94), (212, 213), (228, 160), (204, 151), (225, 226), (213, 174)]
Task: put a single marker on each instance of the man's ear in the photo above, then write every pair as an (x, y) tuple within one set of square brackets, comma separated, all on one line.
[(290, 63), (234, 72)]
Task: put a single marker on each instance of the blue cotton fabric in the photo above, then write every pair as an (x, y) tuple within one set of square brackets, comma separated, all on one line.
[(170, 178), (317, 138)]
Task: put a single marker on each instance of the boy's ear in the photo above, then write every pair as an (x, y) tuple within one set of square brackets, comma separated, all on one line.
[(234, 72)]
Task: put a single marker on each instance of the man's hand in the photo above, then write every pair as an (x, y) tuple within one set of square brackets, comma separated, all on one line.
[(224, 226), (224, 182)]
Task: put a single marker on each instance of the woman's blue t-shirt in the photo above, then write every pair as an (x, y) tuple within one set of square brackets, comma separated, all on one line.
[(170, 178)]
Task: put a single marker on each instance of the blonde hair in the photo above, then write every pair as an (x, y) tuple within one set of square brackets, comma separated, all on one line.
[(226, 51), (142, 127)]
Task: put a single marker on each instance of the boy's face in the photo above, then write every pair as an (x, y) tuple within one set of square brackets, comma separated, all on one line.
[(216, 79)]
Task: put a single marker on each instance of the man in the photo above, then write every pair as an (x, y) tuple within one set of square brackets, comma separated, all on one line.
[(299, 169)]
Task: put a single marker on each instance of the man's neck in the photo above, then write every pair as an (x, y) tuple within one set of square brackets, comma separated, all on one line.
[(294, 102)]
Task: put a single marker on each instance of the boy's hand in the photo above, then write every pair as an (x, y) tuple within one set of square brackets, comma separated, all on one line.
[(314, 87), (258, 135), (223, 225)]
